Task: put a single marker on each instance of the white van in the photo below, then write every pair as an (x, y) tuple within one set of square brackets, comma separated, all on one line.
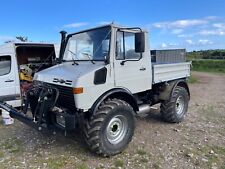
[(18, 64)]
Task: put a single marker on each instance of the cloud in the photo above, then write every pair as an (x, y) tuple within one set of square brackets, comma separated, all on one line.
[(219, 25), (218, 32), (189, 42), (168, 45), (188, 23), (191, 33), (212, 18), (180, 23), (177, 31), (75, 25), (205, 42), (104, 23), (185, 35), (188, 28), (200, 42), (217, 29), (164, 45), (7, 38)]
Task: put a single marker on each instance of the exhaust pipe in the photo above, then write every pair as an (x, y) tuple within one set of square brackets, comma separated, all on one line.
[(62, 47), (145, 108)]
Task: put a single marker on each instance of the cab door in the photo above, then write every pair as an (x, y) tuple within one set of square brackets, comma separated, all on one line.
[(7, 79), (132, 70)]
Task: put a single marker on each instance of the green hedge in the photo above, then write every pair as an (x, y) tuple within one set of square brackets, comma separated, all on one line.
[(217, 66)]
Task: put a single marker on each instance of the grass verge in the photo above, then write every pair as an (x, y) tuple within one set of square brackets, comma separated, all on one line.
[(208, 65), (192, 79), (206, 156)]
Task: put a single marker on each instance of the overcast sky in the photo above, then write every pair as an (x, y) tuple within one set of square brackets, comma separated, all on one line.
[(191, 24)]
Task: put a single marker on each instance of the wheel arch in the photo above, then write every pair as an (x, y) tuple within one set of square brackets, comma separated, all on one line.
[(182, 83), (118, 93), (169, 88)]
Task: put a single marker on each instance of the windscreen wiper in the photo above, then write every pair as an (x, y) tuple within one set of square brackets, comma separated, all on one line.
[(74, 62), (89, 57)]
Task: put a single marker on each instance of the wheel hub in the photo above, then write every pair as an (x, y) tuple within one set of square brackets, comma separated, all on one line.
[(180, 105), (116, 129)]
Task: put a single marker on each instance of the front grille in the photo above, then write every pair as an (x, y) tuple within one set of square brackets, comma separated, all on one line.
[(66, 97)]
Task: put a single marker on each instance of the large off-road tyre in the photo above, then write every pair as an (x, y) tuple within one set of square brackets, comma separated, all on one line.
[(175, 109), (110, 129)]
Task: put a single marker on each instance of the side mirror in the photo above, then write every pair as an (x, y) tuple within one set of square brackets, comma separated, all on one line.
[(139, 42)]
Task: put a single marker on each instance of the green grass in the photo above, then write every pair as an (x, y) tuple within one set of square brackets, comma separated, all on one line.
[(56, 163), (119, 163), (207, 65), (12, 145), (217, 157), (1, 154), (212, 114), (143, 160), (141, 152), (192, 79), (82, 166), (157, 165)]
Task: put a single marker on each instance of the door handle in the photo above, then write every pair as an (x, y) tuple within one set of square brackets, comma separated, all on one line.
[(9, 81), (142, 69)]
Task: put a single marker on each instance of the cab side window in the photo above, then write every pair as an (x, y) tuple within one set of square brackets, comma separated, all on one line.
[(125, 46), (5, 65)]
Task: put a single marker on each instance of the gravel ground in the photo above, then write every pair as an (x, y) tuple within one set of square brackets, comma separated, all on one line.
[(198, 142)]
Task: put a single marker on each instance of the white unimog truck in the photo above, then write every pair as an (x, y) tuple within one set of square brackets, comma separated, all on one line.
[(103, 79)]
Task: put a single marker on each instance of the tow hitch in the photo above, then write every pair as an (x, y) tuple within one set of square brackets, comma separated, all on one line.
[(14, 113)]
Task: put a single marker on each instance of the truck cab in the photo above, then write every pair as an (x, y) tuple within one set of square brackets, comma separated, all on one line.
[(102, 59)]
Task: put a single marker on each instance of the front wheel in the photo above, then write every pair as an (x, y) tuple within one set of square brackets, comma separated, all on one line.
[(110, 129), (175, 109)]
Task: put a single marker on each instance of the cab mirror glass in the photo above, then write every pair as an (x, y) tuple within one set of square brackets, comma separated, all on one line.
[(139, 42)]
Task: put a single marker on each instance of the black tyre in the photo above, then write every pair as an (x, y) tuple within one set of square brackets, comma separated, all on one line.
[(175, 109), (110, 129)]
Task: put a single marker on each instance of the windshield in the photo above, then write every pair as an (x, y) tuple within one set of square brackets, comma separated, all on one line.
[(89, 45)]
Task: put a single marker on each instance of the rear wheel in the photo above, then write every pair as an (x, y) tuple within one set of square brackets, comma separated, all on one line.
[(110, 129), (175, 109)]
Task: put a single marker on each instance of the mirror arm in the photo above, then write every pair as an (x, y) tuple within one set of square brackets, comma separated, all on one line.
[(107, 61)]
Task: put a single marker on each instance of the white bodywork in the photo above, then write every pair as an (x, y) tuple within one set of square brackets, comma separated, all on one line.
[(167, 72), (10, 82), (10, 85), (81, 75), (133, 76), (130, 75)]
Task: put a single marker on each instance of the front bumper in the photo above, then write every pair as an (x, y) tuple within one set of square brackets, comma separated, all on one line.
[(70, 120)]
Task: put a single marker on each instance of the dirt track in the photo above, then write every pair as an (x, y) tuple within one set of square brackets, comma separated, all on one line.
[(198, 142)]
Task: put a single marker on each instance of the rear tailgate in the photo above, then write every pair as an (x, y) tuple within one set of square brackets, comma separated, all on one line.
[(171, 71)]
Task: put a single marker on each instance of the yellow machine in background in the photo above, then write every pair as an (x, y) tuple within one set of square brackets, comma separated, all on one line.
[(26, 73)]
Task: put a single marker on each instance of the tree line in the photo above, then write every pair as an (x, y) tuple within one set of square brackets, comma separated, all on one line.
[(206, 54), (20, 38)]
